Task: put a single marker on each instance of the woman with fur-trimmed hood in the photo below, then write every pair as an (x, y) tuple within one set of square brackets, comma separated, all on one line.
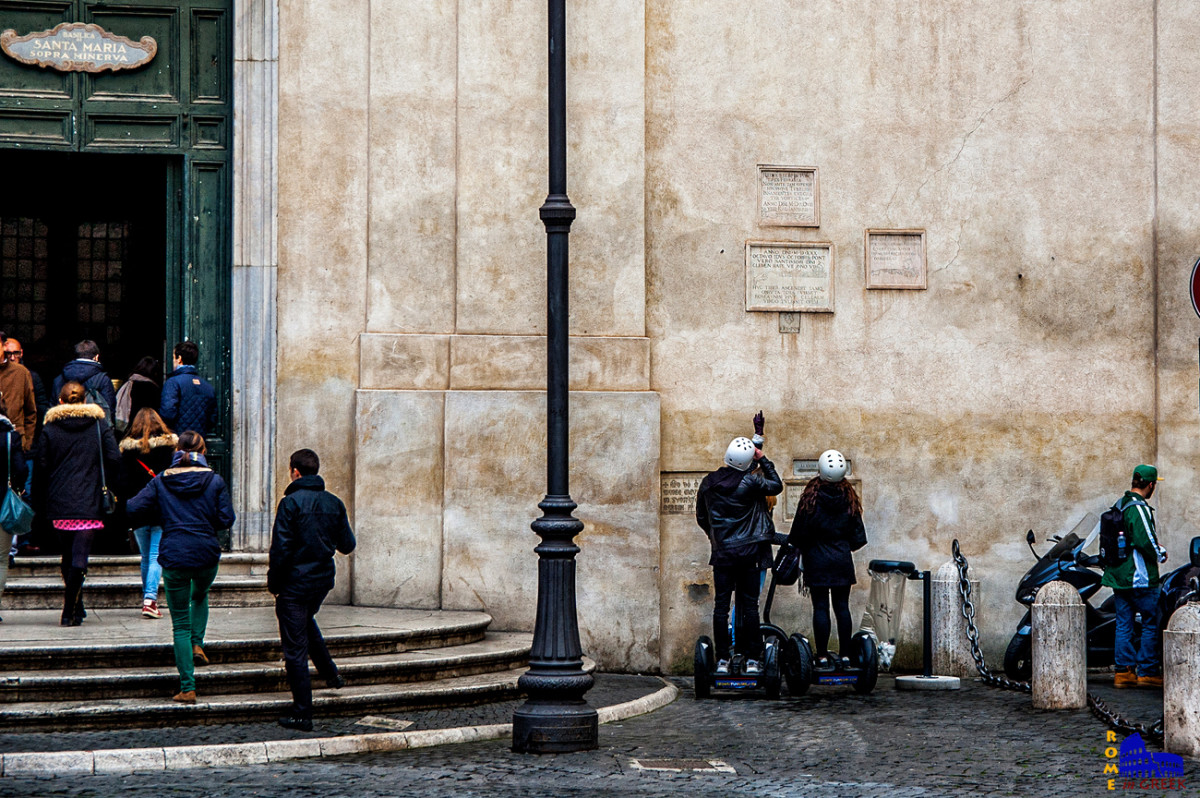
[(146, 452), (75, 454)]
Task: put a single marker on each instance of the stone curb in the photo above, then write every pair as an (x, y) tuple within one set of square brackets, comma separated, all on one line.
[(131, 760)]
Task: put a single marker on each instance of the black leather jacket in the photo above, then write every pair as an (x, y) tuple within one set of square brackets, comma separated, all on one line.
[(731, 508)]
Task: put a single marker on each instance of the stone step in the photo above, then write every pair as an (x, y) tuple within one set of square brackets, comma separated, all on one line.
[(497, 651), (110, 713), (232, 564), (33, 640), (111, 592)]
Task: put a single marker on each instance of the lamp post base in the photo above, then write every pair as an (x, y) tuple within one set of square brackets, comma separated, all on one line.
[(555, 727)]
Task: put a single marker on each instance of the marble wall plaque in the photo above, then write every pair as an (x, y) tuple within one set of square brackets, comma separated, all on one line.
[(789, 276), (895, 259), (788, 196), (679, 492)]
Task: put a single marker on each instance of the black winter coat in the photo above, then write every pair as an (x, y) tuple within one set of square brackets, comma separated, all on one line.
[(310, 524), (190, 503), (10, 441), (731, 508), (825, 537), (67, 463), (133, 477)]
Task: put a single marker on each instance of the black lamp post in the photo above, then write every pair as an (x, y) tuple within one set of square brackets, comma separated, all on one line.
[(556, 718)]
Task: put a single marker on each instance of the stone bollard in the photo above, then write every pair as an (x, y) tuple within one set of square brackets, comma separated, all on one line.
[(951, 649), (1181, 682), (1059, 648)]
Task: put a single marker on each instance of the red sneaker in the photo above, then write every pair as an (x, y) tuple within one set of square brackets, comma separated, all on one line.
[(150, 610)]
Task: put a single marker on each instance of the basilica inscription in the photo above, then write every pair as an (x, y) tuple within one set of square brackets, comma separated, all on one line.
[(788, 196), (679, 492), (895, 259), (791, 277), (78, 47)]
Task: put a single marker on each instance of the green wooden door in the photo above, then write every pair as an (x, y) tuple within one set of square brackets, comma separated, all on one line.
[(179, 105)]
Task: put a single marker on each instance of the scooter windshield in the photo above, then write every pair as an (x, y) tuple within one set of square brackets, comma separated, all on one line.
[(1067, 544)]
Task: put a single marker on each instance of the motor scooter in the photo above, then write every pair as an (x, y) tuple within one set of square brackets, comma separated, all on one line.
[(1067, 561)]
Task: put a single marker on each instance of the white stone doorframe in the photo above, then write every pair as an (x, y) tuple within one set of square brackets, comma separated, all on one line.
[(255, 267)]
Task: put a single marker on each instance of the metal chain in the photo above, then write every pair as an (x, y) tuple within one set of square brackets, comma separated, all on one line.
[(1100, 709)]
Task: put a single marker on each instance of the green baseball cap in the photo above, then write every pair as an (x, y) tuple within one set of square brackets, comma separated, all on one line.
[(1146, 473)]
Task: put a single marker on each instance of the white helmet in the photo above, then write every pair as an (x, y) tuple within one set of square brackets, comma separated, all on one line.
[(740, 454), (831, 466)]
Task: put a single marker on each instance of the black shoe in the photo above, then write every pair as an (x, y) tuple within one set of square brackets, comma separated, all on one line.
[(336, 683), (296, 722), (12, 561)]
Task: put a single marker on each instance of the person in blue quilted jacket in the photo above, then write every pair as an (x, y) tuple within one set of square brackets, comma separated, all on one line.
[(189, 401)]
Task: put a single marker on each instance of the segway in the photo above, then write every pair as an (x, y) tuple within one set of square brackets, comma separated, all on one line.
[(860, 670)]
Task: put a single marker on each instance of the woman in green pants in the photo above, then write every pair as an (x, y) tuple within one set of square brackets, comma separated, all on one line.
[(190, 503)]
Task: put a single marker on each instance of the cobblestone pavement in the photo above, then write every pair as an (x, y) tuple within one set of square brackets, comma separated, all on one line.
[(831, 742), (609, 689)]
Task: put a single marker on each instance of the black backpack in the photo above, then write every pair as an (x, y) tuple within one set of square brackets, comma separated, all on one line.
[(1114, 542)]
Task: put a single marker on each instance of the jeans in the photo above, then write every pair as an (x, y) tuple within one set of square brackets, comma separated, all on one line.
[(147, 540), (1130, 653), (301, 639), (746, 580), (187, 599)]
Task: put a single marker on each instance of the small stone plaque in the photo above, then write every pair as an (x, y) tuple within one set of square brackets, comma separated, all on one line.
[(78, 47), (679, 492), (789, 323), (788, 196), (895, 259), (791, 277)]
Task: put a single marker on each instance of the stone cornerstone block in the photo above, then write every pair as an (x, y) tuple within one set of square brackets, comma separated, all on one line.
[(496, 475), (398, 495)]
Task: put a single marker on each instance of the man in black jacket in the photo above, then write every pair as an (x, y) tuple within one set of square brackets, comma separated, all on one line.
[(731, 508), (310, 524)]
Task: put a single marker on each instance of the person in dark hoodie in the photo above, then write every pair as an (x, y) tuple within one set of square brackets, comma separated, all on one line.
[(731, 508), (190, 503), (73, 460), (828, 526), (146, 451), (310, 525), (86, 369), (188, 400)]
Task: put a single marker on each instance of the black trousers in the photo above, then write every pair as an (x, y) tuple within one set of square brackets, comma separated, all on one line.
[(841, 611), (301, 640), (745, 579)]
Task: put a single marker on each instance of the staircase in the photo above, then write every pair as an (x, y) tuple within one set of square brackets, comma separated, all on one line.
[(117, 669)]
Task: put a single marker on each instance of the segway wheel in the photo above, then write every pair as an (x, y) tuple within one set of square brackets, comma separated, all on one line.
[(771, 680), (800, 665), (868, 660), (703, 666)]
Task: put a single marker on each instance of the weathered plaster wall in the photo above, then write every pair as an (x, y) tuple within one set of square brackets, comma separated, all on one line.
[(1019, 389), (1178, 153)]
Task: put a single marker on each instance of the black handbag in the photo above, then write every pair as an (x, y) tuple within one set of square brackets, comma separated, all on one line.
[(108, 502), (787, 565)]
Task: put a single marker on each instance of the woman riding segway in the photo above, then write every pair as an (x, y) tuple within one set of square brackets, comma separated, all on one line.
[(827, 527)]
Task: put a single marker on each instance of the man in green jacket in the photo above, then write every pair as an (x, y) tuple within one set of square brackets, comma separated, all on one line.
[(1135, 586)]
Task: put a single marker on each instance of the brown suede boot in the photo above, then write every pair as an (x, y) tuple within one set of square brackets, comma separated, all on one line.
[(198, 656), (1150, 681), (1125, 677), (185, 698)]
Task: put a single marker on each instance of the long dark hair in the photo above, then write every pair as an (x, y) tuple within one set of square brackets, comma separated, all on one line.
[(808, 499), (149, 368)]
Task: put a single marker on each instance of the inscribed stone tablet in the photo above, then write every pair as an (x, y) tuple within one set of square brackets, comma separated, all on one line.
[(679, 492), (895, 259), (788, 196), (789, 277)]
